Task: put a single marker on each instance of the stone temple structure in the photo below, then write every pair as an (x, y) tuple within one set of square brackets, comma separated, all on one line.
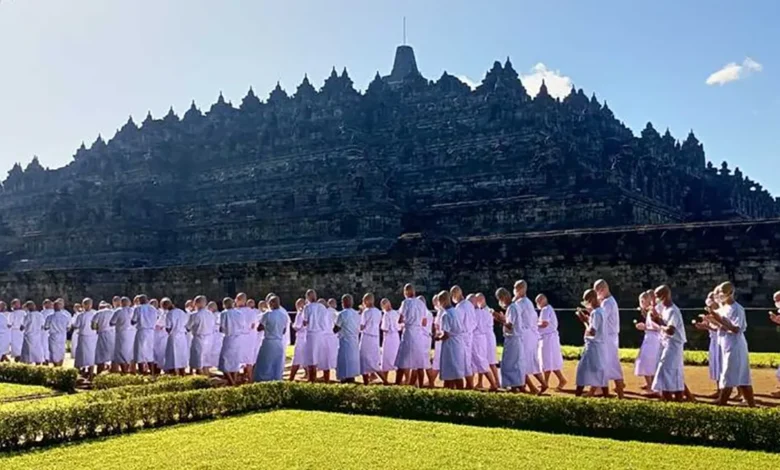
[(415, 179), (319, 173)]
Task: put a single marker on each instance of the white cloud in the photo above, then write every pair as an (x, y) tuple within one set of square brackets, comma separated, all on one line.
[(734, 71), (557, 85), (471, 83)]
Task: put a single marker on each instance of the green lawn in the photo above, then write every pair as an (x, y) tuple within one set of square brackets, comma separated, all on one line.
[(285, 439), (8, 391)]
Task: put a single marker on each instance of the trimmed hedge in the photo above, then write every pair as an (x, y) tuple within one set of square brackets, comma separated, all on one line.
[(58, 378), (691, 358), (636, 420), (106, 381)]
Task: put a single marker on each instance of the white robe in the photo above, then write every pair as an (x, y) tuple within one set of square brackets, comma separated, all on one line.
[(176, 350), (613, 369), (144, 318), (249, 335), (591, 370), (232, 325), (124, 335), (259, 335), (5, 333), (201, 325), (319, 334), (713, 357), (735, 365), (414, 350), (104, 349), (513, 367), (333, 345), (270, 357), (650, 351), (550, 356), (32, 344), (16, 319), (74, 336), (45, 334), (530, 329), (479, 348), (469, 326), (85, 348), (436, 328), (160, 339), (391, 339), (216, 341), (370, 322), (348, 362), (57, 324), (300, 340), (455, 348), (669, 377)]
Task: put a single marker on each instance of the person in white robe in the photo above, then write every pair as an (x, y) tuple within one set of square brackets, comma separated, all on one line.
[(32, 344), (455, 346), (414, 350), (218, 337), (591, 370), (469, 317), (47, 309), (735, 370), (348, 328), (177, 351), (435, 370), (16, 319), (416, 378), (333, 345), (274, 322), (262, 308), (5, 332), (106, 336), (300, 340), (513, 367), (775, 318), (160, 341), (491, 344), (319, 324), (57, 325), (124, 335), (391, 338), (669, 378), (249, 335), (201, 325), (87, 342), (529, 326), (78, 309), (613, 368), (480, 356), (232, 325), (144, 319), (550, 356), (646, 363), (370, 357)]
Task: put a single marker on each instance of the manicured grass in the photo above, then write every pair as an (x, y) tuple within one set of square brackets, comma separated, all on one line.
[(285, 439), (9, 391)]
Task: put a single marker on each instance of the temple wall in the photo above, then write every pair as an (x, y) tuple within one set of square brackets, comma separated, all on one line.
[(692, 258)]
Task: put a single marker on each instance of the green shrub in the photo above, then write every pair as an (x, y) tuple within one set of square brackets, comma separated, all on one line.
[(123, 410), (106, 381), (58, 378)]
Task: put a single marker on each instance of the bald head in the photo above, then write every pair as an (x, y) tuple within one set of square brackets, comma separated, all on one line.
[(409, 291), (274, 302), (602, 288), (664, 294), (456, 294), (503, 296), (590, 298), (521, 288), (346, 301), (541, 301), (386, 305), (311, 295), (368, 300)]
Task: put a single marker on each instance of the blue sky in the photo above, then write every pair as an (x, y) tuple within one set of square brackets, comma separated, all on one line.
[(73, 69)]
